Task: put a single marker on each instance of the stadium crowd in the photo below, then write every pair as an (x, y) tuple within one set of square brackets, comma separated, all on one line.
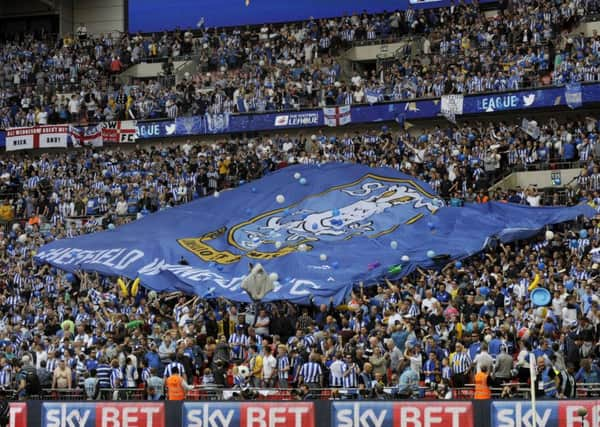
[(432, 330), (296, 65)]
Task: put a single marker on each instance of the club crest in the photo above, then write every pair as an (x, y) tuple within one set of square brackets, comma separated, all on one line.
[(370, 207)]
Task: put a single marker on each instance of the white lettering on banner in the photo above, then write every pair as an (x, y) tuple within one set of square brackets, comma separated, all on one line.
[(36, 130), (63, 418), (127, 416), (126, 137), (574, 420), (12, 415), (299, 284), (130, 258), (499, 103), (207, 417), (517, 418), (108, 257), (184, 271), (357, 418), (431, 416), (274, 416)]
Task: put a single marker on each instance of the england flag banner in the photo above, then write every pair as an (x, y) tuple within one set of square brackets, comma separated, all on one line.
[(119, 132), (337, 116), (320, 230), (87, 136), (34, 137)]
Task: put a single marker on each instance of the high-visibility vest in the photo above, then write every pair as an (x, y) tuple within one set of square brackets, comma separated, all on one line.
[(482, 390), (549, 384), (175, 390)]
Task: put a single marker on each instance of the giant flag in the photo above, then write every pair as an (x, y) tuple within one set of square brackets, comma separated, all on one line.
[(320, 229)]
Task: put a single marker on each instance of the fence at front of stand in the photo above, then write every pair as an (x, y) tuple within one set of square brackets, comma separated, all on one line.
[(215, 393)]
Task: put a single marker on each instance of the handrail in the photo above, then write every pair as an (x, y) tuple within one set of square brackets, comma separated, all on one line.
[(215, 392)]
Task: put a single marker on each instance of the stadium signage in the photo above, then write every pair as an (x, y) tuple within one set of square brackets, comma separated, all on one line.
[(495, 103), (386, 112), (148, 130), (109, 414), (17, 414), (401, 414), (549, 414), (248, 414), (297, 119)]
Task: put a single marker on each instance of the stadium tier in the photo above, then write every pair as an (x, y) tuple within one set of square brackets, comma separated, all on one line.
[(412, 240)]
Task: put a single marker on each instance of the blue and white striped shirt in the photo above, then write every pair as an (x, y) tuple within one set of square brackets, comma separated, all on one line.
[(311, 372), (169, 369), (116, 378)]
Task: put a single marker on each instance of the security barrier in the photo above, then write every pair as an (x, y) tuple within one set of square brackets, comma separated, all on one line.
[(305, 413)]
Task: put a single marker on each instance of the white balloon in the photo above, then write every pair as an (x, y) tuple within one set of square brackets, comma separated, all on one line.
[(394, 244), (16, 226), (549, 235), (280, 199), (297, 175), (405, 258), (216, 194), (273, 277), (302, 247), (277, 245), (323, 257), (22, 238)]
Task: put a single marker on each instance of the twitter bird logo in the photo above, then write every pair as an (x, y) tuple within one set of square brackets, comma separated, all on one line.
[(528, 100), (170, 129)]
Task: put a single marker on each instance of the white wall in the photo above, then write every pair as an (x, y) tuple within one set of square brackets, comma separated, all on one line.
[(100, 16), (540, 178), (370, 52)]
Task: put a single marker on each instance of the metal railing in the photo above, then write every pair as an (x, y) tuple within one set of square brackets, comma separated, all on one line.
[(213, 392)]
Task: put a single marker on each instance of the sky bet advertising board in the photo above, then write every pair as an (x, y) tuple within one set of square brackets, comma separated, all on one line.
[(103, 414), (17, 414), (248, 414), (401, 414), (159, 15), (550, 413)]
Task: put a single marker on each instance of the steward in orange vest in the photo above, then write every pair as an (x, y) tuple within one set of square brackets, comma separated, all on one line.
[(176, 385), (482, 384)]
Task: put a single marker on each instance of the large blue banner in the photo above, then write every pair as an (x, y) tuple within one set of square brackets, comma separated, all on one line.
[(159, 15), (320, 229)]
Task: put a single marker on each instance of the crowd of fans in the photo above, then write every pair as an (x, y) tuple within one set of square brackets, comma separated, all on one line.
[(454, 50), (429, 331)]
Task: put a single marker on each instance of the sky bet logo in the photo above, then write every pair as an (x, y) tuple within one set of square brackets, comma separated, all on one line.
[(549, 414), (224, 414), (400, 414), (107, 414), (17, 414)]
